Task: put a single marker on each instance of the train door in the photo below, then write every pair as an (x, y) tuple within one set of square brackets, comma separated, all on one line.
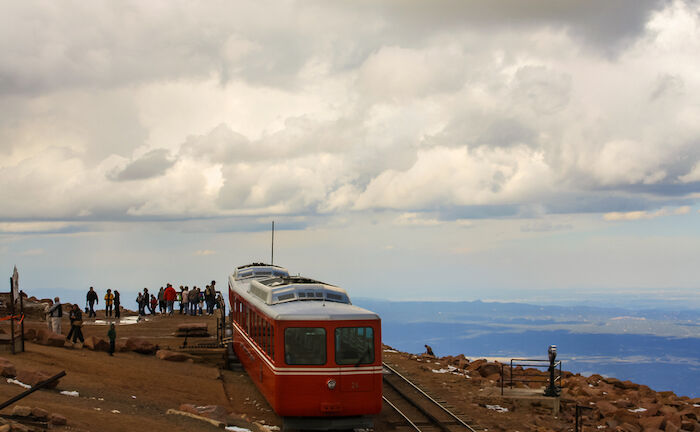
[(355, 346)]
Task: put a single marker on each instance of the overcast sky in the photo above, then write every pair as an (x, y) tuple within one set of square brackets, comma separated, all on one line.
[(448, 149)]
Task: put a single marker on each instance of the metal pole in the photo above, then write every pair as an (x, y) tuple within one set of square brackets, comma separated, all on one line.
[(272, 260), (32, 390), (21, 324)]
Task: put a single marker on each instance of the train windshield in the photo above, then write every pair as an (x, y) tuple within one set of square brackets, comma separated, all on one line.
[(354, 345), (305, 346)]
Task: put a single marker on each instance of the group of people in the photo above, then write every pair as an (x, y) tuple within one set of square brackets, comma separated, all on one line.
[(55, 313), (192, 301), (112, 303)]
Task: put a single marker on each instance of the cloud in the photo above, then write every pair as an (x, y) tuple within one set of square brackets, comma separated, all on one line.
[(462, 111), (152, 164), (637, 215)]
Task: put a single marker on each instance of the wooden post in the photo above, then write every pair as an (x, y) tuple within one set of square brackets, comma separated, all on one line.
[(12, 315)]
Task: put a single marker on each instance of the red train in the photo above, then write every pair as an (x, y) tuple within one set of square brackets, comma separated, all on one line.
[(314, 356)]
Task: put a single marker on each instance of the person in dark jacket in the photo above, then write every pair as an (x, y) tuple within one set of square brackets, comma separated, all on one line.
[(76, 322), (92, 301), (112, 335), (117, 304)]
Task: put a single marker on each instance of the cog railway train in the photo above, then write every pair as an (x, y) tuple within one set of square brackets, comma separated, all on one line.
[(314, 356)]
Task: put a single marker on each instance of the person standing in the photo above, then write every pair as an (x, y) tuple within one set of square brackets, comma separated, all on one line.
[(117, 305), (76, 319), (55, 315), (139, 301), (146, 301), (185, 300), (154, 304), (193, 298), (210, 298), (169, 295), (92, 301), (112, 335), (161, 300), (109, 302)]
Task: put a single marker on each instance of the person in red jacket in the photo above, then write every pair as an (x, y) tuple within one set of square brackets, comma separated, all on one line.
[(170, 296)]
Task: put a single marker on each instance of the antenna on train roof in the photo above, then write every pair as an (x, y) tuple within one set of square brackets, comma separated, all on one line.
[(272, 258)]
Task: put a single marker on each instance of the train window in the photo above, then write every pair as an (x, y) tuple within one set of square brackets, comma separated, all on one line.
[(354, 345), (305, 346)]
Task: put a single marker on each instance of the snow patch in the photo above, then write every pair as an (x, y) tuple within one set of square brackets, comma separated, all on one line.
[(70, 393), (390, 351), (237, 429), (497, 408), (19, 383), (116, 412), (637, 410)]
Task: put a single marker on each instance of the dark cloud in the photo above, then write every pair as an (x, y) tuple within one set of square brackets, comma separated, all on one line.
[(152, 164), (605, 26)]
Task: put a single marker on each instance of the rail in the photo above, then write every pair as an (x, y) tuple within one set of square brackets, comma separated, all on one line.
[(428, 397), (515, 377)]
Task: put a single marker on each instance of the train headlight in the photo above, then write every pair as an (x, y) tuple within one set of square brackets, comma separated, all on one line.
[(331, 384)]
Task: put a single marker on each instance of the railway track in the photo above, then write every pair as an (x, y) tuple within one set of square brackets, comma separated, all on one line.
[(418, 410)]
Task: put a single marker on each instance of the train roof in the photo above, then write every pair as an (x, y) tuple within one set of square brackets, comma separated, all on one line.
[(298, 298), (259, 270)]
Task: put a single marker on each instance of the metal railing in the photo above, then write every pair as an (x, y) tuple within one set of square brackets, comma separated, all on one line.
[(516, 376)]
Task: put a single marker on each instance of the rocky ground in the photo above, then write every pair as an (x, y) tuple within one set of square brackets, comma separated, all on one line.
[(139, 389)]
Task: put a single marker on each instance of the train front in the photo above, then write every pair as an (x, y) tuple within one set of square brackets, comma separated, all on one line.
[(331, 372)]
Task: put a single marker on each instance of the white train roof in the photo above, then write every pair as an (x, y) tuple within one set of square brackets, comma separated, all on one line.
[(287, 297)]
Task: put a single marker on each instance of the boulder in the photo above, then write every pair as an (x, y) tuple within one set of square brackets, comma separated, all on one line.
[(96, 344), (49, 338), (489, 369), (174, 356), (7, 369), (606, 408), (476, 364), (652, 423), (140, 346), (193, 329), (40, 413), (34, 377), (21, 411), (29, 334), (57, 419), (214, 412)]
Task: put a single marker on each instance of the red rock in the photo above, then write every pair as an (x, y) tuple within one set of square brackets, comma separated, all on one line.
[(57, 419), (96, 344), (628, 427), (49, 338), (40, 413), (21, 411), (475, 364), (140, 346), (7, 369), (606, 408), (173, 356), (670, 427), (652, 423), (29, 334), (34, 377), (488, 369), (688, 425)]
